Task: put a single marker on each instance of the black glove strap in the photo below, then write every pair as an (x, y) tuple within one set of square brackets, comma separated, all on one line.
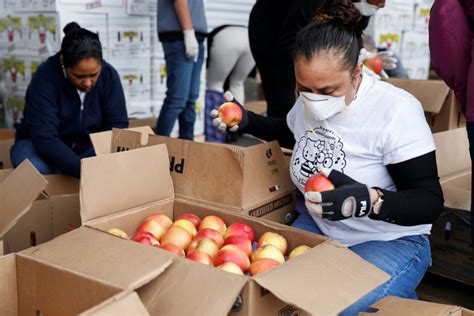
[(336, 203)]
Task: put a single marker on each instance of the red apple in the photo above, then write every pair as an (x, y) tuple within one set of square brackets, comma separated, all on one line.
[(230, 113), (240, 241), (177, 236), (200, 256), (164, 220), (262, 265), (270, 252), (190, 217), (318, 183), (205, 245), (118, 232), (298, 251), (213, 222), (240, 229), (184, 223), (231, 267), (232, 253), (375, 64), (211, 234), (275, 239), (173, 248), (153, 227), (145, 238)]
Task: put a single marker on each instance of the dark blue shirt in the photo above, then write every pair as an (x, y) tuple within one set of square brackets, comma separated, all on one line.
[(57, 124)]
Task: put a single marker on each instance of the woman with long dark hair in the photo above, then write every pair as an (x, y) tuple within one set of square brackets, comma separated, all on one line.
[(72, 94)]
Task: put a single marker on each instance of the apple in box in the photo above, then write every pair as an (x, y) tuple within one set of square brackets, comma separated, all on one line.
[(213, 222), (240, 241), (163, 220), (118, 232), (231, 267), (173, 248), (184, 223), (153, 227), (205, 245), (232, 253), (190, 217), (230, 113), (240, 229), (275, 239), (268, 251), (177, 236), (146, 239), (298, 251), (200, 256), (318, 183), (262, 265), (212, 234)]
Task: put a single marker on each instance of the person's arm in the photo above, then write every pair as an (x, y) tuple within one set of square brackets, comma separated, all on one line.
[(269, 128), (419, 198), (450, 45), (42, 118), (182, 11), (114, 110)]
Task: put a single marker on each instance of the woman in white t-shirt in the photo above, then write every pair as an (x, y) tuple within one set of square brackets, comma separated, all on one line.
[(372, 140)]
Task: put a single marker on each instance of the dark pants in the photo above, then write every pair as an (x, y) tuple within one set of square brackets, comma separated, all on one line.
[(470, 136), (277, 72)]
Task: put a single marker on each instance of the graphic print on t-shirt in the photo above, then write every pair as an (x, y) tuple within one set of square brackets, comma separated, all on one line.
[(317, 149)]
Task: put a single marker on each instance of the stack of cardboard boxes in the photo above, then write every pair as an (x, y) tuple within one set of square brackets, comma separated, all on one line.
[(402, 26)]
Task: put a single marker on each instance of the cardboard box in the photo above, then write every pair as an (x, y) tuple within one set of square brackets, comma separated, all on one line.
[(136, 83), (450, 238), (45, 30), (35, 208), (438, 101), (12, 31), (130, 37), (251, 180), (7, 139), (80, 6), (122, 189), (395, 306)]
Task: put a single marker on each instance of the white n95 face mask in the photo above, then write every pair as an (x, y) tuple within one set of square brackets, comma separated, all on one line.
[(366, 9), (322, 107)]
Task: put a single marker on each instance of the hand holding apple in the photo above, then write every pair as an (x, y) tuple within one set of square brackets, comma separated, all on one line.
[(231, 115)]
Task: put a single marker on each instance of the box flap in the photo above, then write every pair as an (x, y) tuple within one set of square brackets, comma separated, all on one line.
[(17, 192), (246, 175), (4, 174), (452, 152), (8, 290), (102, 141), (121, 304), (328, 266), (396, 306), (106, 258), (431, 93), (207, 290), (115, 182), (61, 184)]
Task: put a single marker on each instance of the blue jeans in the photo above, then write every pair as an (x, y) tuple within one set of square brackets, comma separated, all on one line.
[(182, 90), (405, 259), (24, 149)]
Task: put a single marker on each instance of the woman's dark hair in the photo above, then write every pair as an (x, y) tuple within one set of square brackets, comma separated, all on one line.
[(337, 28), (79, 43)]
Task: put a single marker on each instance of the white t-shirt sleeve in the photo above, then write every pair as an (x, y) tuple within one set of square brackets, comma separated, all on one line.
[(408, 134)]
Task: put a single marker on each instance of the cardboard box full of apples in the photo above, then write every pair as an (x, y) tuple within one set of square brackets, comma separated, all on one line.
[(130, 194)]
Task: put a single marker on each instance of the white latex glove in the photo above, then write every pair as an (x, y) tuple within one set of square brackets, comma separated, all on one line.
[(389, 62), (191, 44)]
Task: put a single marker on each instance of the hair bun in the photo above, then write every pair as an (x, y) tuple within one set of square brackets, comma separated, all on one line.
[(343, 13), (71, 28)]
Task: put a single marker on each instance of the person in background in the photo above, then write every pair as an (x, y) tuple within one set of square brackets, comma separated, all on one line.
[(229, 60), (451, 38), (182, 28), (273, 26), (73, 94), (371, 140)]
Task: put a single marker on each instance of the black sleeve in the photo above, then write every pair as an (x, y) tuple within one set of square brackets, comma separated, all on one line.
[(419, 198), (269, 128)]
